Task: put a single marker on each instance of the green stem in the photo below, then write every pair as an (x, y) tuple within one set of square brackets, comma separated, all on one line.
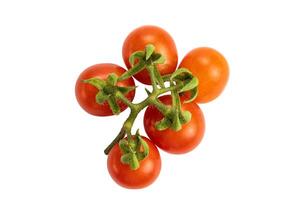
[(152, 99), (160, 106), (166, 77), (125, 130), (124, 100), (174, 117), (134, 111), (150, 69), (119, 137), (175, 98), (176, 109), (127, 126)]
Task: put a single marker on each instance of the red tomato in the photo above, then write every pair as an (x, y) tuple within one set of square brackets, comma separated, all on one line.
[(86, 93), (171, 141), (211, 69), (145, 175), (163, 42)]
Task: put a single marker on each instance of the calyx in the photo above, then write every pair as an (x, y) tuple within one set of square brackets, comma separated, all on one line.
[(107, 91)]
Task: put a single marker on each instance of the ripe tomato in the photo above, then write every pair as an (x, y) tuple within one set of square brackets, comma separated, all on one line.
[(145, 175), (171, 141), (163, 42), (86, 93), (211, 69)]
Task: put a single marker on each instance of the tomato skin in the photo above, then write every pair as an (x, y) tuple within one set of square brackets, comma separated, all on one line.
[(171, 141), (86, 93), (163, 42), (134, 179), (211, 69)]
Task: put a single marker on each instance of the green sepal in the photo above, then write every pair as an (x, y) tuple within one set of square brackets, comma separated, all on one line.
[(189, 82), (112, 79), (135, 68), (132, 71), (98, 83), (163, 124), (144, 152), (149, 49), (125, 90), (133, 151), (158, 77), (103, 86), (146, 57), (176, 124), (166, 77), (134, 164), (136, 55), (181, 74), (193, 95), (185, 117), (126, 158), (112, 101), (123, 144), (131, 160), (176, 118), (101, 97), (132, 145), (158, 58)]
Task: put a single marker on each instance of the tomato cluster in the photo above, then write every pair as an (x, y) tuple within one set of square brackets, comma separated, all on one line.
[(173, 122)]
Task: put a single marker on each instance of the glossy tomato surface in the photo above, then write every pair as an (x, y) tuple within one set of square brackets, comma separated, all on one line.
[(171, 141), (134, 179), (163, 42), (86, 93), (211, 69)]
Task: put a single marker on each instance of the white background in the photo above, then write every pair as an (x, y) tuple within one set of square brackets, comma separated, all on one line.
[(51, 149)]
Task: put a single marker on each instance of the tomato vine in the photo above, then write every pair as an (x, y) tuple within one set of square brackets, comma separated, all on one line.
[(179, 81)]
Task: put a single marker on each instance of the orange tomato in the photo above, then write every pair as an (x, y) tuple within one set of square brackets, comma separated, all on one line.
[(211, 69)]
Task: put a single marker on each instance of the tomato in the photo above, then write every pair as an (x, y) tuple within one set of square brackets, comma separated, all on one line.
[(182, 141), (211, 69), (86, 93), (163, 42), (143, 176)]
